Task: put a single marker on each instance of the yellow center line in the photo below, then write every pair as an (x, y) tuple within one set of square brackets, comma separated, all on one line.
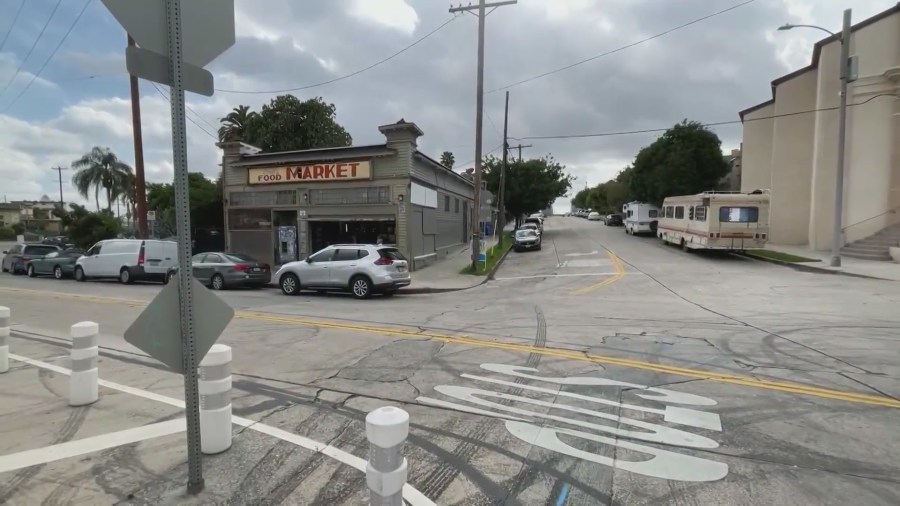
[(620, 273), (734, 379)]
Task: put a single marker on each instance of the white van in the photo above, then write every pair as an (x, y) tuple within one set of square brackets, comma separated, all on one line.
[(128, 260), (640, 218)]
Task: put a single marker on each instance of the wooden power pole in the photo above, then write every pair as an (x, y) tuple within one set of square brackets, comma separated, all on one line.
[(501, 220), (479, 114), (140, 192)]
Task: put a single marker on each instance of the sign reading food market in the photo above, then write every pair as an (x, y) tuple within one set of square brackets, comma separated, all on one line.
[(340, 171)]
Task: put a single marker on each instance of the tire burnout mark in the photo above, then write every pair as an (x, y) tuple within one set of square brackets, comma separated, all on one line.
[(442, 476), (66, 433)]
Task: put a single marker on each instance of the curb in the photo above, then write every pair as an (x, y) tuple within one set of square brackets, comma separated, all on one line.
[(808, 268)]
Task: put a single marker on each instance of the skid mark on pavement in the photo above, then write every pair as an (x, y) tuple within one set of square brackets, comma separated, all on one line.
[(733, 379)]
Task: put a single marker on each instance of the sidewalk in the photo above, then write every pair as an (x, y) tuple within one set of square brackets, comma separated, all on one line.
[(444, 276), (849, 266)]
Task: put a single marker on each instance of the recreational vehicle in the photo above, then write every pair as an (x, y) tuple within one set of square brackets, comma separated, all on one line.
[(640, 218), (716, 220)]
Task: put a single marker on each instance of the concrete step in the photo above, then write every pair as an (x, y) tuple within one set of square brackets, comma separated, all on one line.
[(867, 246), (866, 255), (877, 242)]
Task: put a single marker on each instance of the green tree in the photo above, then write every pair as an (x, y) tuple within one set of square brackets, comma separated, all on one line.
[(237, 124), (580, 200), (531, 185), (287, 124), (687, 159), (447, 159), (84, 228), (206, 204), (101, 168)]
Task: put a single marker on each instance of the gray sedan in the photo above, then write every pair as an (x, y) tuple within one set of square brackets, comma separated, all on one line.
[(218, 270)]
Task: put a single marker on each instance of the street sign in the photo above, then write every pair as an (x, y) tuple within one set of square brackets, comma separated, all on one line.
[(151, 215), (157, 331), (207, 26), (154, 67)]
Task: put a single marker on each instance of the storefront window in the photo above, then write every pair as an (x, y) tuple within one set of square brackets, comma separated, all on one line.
[(344, 196), (249, 219), (267, 198)]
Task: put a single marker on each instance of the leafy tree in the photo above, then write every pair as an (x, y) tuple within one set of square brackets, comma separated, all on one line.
[(7, 234), (580, 200), (687, 159), (531, 185), (205, 201), (447, 159), (84, 228), (101, 168), (237, 124), (288, 124)]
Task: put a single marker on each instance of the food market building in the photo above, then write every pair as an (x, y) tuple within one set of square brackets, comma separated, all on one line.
[(281, 207)]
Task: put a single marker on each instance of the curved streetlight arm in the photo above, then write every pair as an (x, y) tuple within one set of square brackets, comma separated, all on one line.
[(790, 26)]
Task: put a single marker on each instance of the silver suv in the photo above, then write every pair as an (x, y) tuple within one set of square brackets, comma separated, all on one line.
[(361, 269)]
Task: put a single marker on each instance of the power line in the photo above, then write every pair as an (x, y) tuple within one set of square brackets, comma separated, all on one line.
[(35, 75), (473, 160), (15, 18), (592, 58), (347, 76), (58, 2), (717, 123), (158, 90)]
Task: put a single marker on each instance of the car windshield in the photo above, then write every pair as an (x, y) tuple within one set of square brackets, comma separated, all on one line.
[(238, 257), (392, 253), (525, 233), (40, 250)]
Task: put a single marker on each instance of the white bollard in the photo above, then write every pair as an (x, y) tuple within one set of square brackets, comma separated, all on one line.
[(386, 430), (4, 339), (83, 382), (214, 386)]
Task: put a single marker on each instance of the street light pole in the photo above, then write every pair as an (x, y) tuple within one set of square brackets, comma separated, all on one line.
[(837, 238)]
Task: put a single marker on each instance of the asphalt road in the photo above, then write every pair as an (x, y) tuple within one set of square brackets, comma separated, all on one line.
[(603, 369)]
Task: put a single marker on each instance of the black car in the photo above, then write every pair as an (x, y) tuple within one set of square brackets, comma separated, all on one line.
[(614, 220)]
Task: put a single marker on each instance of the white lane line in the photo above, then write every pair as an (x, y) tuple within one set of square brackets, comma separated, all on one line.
[(580, 274), (78, 447), (410, 494)]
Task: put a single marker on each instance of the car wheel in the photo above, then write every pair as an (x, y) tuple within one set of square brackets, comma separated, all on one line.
[(167, 278), (361, 287), (290, 284), (125, 276), (217, 282), (79, 274), (684, 246), (4, 269), (57, 272), (30, 271)]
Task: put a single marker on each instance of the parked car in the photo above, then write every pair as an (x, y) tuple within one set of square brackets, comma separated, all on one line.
[(59, 240), (128, 260), (614, 220), (361, 269), (527, 239), (59, 264), (593, 216), (15, 258), (531, 226), (219, 270)]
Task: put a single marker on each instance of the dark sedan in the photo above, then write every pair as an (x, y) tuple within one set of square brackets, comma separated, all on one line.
[(219, 270), (526, 239), (614, 220), (59, 264)]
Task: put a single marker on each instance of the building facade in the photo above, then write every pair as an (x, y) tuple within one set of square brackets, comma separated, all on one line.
[(790, 142), (281, 207)]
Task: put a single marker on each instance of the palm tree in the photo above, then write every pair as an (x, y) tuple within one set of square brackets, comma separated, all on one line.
[(236, 125), (447, 159), (101, 168)]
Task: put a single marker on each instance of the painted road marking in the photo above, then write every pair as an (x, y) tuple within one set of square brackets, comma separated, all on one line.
[(78, 447), (554, 275), (620, 273), (410, 494), (663, 464), (582, 254), (733, 379)]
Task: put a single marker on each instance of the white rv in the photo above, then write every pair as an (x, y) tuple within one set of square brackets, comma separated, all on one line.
[(716, 220), (640, 217)]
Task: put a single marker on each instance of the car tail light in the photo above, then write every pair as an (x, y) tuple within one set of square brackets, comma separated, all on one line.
[(384, 261), (141, 256), (241, 267), (26, 258), (266, 267)]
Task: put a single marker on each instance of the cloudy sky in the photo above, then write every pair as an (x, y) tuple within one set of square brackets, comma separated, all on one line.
[(62, 94)]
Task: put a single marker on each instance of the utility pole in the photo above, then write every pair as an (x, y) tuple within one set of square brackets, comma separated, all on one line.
[(519, 147), (59, 170), (501, 220), (140, 192), (479, 113), (837, 239)]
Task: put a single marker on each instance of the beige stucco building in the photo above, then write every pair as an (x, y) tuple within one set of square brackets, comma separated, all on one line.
[(790, 142)]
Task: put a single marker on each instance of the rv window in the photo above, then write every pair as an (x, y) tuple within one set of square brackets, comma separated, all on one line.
[(654, 213), (670, 211), (739, 214), (700, 213), (679, 213), (629, 213)]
